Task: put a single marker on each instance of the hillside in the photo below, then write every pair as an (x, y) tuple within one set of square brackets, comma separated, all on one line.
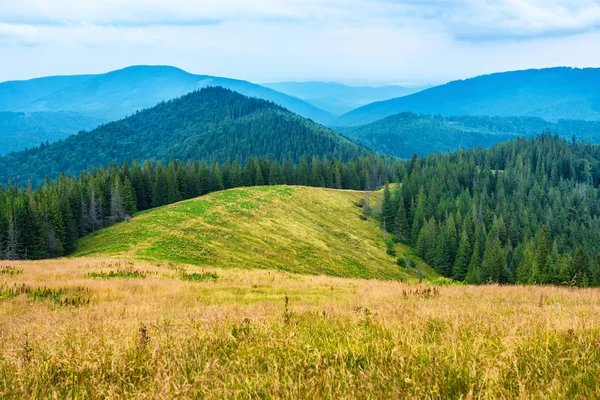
[(405, 134), (337, 98), (295, 229), (551, 94), (213, 123), (117, 94), (26, 130)]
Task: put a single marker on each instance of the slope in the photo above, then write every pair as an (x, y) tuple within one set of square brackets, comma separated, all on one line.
[(19, 130), (213, 123), (337, 98), (117, 94), (405, 134), (295, 229), (551, 94)]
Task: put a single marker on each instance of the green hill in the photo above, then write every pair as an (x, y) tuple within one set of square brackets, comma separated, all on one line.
[(296, 229), (213, 123), (118, 94), (405, 134), (551, 94)]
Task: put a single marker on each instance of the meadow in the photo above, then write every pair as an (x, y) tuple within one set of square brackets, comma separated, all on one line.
[(295, 229), (114, 328), (280, 292)]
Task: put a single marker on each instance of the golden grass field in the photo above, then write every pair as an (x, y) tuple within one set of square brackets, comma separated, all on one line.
[(234, 337), (139, 317)]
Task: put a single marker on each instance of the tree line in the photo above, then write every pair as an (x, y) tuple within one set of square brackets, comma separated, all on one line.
[(46, 221)]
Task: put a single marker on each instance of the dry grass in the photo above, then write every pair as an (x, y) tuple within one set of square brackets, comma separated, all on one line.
[(236, 336)]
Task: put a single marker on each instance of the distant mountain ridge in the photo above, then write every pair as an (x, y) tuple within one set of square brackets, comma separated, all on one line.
[(20, 130), (337, 98), (405, 134), (551, 94), (117, 94), (213, 123)]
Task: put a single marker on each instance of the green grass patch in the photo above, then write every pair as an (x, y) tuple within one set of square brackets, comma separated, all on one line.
[(198, 276), (127, 273), (58, 297), (9, 270)]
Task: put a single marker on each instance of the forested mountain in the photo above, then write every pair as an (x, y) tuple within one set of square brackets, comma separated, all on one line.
[(22, 130), (213, 123), (337, 98), (404, 134), (551, 94), (523, 211), (117, 94)]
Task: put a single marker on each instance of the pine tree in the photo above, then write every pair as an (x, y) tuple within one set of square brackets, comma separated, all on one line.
[(387, 210), (274, 174), (494, 261), (542, 258), (474, 274), (580, 268), (117, 203), (235, 177), (95, 211), (463, 257), (401, 222), (259, 179)]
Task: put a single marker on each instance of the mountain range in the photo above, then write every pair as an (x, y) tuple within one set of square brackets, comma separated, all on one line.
[(405, 134), (93, 99), (337, 98), (212, 123), (551, 94)]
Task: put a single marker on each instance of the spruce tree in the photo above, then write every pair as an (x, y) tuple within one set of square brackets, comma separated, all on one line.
[(463, 257), (401, 222)]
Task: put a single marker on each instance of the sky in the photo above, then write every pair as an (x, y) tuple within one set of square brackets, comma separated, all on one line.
[(351, 41)]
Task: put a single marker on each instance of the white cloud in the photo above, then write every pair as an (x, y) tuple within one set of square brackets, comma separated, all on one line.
[(265, 40)]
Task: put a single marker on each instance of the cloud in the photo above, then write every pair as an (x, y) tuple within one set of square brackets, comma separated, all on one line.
[(425, 41), (464, 19), (506, 19)]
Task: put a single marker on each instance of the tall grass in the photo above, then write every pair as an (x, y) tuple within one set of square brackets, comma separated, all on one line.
[(272, 334)]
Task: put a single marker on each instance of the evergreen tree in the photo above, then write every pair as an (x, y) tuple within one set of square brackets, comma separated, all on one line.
[(463, 257), (401, 223)]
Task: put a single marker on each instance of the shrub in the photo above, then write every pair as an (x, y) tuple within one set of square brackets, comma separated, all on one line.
[(390, 247)]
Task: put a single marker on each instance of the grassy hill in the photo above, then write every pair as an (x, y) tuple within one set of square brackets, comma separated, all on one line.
[(405, 134), (551, 94), (295, 229), (213, 123)]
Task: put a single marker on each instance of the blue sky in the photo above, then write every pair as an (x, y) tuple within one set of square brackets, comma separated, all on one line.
[(353, 41)]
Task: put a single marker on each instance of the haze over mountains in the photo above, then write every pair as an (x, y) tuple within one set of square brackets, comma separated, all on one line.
[(337, 98), (107, 97), (561, 100), (405, 134), (551, 94)]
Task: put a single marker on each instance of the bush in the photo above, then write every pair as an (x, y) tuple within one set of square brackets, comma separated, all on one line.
[(390, 247), (401, 261)]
